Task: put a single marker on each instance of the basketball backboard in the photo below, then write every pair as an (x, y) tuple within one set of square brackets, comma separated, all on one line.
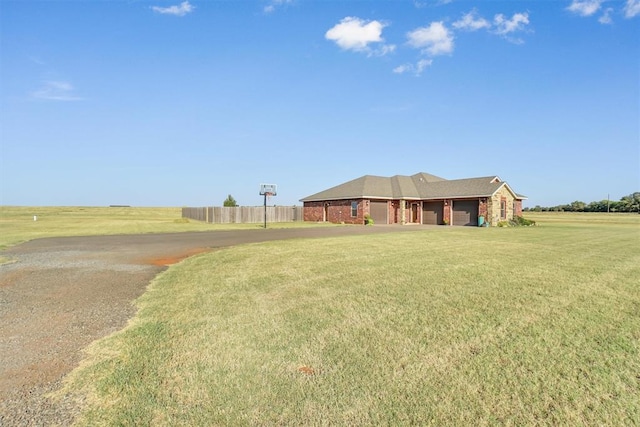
[(268, 188)]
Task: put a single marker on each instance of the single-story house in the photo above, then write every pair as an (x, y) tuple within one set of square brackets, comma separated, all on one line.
[(417, 199)]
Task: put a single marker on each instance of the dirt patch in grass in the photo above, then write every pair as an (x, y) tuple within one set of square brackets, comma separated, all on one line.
[(174, 259), (307, 370)]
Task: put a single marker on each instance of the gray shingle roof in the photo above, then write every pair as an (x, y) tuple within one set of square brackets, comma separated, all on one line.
[(420, 186)]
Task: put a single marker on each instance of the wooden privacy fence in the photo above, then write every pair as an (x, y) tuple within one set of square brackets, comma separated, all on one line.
[(244, 214)]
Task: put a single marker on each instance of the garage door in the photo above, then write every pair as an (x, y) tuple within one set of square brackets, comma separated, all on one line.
[(465, 212), (432, 213), (379, 212)]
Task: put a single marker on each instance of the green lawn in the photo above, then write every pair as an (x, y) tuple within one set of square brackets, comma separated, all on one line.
[(447, 326)]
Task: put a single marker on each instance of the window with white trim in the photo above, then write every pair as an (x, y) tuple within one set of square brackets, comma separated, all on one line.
[(354, 209)]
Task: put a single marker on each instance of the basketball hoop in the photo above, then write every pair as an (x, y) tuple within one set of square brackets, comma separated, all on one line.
[(267, 190)]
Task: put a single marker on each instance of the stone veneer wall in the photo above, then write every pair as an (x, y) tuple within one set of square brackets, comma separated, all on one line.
[(493, 206)]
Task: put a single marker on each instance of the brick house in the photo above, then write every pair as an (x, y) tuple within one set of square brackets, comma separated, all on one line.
[(417, 199)]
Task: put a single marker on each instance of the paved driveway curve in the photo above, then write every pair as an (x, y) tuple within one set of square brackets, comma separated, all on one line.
[(61, 294)]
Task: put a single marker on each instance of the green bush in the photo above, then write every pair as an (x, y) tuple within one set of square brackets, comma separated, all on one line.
[(519, 221), (368, 220)]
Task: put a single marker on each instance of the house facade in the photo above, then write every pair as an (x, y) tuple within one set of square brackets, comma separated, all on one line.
[(417, 199)]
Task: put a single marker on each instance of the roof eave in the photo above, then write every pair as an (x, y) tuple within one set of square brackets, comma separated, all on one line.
[(324, 199), (464, 196)]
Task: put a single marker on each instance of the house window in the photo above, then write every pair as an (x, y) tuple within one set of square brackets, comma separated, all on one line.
[(503, 209), (354, 209)]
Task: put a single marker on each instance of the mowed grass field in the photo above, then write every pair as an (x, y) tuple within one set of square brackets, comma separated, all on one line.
[(446, 326), (17, 223)]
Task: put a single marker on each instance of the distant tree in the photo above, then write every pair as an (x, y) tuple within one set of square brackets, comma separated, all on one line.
[(230, 202), (577, 206), (600, 206), (630, 203), (615, 207)]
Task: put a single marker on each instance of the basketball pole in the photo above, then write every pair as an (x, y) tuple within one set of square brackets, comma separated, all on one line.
[(267, 190)]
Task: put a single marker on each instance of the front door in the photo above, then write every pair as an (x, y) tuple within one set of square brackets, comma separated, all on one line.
[(414, 213)]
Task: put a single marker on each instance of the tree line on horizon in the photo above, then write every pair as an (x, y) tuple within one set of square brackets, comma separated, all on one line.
[(630, 203)]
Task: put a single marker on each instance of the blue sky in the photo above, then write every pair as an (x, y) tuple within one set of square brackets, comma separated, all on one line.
[(180, 103)]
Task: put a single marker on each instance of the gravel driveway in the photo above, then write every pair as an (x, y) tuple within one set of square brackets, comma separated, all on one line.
[(61, 294)]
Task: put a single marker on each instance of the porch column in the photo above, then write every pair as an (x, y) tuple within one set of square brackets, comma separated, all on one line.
[(447, 211)]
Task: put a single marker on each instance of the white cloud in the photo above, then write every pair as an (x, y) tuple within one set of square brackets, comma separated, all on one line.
[(435, 39), (422, 4), (504, 26), (181, 10), (56, 91), (590, 7), (383, 50), (416, 69), (356, 34), (423, 64), (471, 22), (632, 8), (584, 7), (401, 69), (606, 17), (270, 8)]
